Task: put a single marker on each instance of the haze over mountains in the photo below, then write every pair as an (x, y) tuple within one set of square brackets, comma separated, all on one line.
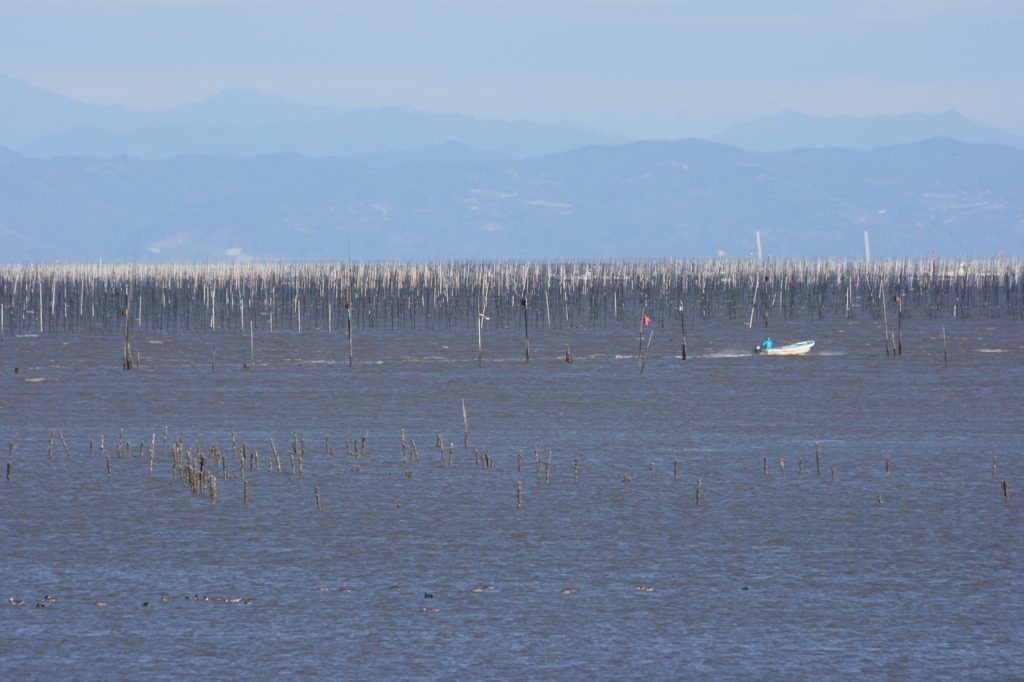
[(790, 130), (691, 198), (39, 123), (251, 176), (35, 122)]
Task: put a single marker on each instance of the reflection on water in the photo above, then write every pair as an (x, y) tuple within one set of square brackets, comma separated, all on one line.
[(797, 576)]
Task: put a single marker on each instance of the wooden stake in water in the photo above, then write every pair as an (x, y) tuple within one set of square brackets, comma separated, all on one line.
[(753, 303), (682, 321), (899, 323), (647, 353), (519, 492), (576, 471), (1006, 491), (316, 489), (675, 470), (765, 466), (782, 466), (127, 364), (887, 467), (993, 466), (348, 315), (465, 424), (885, 318), (245, 492), (480, 328), (64, 443), (526, 328), (817, 457), (698, 492)]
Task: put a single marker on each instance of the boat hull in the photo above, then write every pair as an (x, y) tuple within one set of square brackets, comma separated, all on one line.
[(792, 349)]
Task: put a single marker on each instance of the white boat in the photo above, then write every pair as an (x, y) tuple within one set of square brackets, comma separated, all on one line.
[(792, 349)]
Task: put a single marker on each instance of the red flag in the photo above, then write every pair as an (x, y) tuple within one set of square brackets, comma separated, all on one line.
[(645, 320)]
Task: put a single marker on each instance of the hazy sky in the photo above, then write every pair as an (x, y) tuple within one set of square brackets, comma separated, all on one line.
[(663, 69)]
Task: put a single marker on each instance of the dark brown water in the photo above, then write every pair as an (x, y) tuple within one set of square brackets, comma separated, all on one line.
[(798, 577)]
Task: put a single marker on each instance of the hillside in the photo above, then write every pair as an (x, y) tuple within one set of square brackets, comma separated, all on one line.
[(690, 198)]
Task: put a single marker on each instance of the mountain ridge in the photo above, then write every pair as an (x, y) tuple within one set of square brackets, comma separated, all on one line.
[(37, 122), (688, 198), (792, 130)]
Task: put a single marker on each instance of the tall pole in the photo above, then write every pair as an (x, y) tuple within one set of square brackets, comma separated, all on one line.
[(640, 352), (885, 319), (526, 328), (348, 313), (899, 323), (127, 364), (682, 320), (348, 300)]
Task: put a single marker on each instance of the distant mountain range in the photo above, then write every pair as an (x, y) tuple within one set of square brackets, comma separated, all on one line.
[(790, 130), (39, 123), (690, 198), (249, 175)]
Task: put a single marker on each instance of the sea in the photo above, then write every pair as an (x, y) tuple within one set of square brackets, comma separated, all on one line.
[(852, 513)]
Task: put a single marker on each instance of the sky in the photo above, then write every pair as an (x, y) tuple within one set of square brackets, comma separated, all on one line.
[(646, 69)]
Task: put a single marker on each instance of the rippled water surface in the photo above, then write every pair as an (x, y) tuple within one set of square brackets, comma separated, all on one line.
[(846, 574)]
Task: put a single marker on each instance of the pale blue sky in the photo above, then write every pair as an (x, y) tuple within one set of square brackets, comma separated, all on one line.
[(647, 69)]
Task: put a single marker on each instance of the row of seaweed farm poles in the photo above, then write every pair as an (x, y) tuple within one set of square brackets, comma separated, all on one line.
[(155, 298)]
